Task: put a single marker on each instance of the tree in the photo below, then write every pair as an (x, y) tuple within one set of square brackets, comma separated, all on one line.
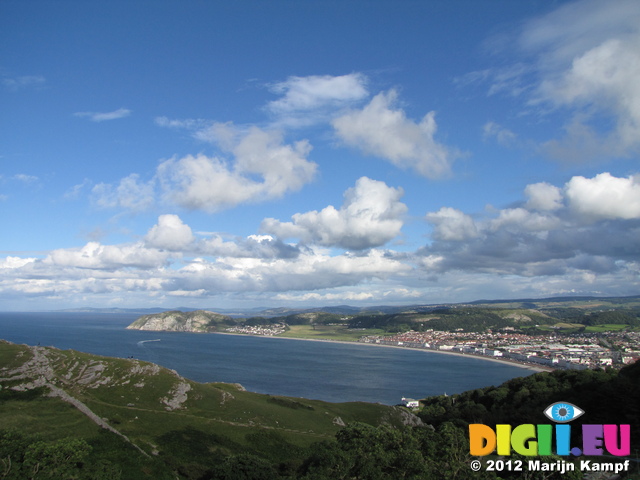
[(55, 460), (13, 446), (245, 467)]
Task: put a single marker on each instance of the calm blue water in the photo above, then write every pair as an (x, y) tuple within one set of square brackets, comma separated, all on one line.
[(319, 370)]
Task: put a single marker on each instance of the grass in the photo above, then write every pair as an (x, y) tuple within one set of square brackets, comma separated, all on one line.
[(12, 355), (610, 327), (569, 327), (328, 332), (564, 325), (218, 419), (48, 417)]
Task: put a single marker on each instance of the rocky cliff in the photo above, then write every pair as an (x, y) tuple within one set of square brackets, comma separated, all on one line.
[(200, 321)]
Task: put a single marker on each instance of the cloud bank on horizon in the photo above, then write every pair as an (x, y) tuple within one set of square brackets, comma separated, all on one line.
[(339, 171)]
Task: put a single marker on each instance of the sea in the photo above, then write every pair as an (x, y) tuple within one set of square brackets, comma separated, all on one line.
[(333, 372)]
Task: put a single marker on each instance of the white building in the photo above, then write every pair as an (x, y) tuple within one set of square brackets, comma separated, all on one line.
[(410, 402)]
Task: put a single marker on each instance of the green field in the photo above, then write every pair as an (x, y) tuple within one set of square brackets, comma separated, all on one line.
[(611, 327), (329, 332)]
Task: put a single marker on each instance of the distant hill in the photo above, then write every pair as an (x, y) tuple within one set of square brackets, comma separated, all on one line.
[(198, 321), (382, 309)]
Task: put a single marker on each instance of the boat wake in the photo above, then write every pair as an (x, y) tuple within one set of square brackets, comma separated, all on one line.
[(146, 341)]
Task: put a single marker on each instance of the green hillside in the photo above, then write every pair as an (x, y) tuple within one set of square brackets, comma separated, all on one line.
[(145, 421), (70, 415)]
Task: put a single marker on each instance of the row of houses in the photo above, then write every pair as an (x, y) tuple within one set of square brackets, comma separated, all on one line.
[(267, 331), (567, 352)]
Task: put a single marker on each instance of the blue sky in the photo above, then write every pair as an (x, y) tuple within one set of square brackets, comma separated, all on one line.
[(242, 154)]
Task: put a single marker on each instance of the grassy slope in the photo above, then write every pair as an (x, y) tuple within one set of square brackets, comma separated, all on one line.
[(129, 394)]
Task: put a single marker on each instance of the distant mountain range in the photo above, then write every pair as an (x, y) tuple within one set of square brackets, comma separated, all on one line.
[(350, 310)]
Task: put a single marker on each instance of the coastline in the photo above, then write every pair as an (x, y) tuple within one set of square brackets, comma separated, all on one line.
[(514, 363)]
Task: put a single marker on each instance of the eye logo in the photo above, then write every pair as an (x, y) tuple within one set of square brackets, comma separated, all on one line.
[(563, 412)]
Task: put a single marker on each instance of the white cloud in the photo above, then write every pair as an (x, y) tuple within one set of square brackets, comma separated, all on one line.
[(311, 270), (581, 63), (15, 262), (544, 247), (568, 31), (604, 77), (543, 196), (307, 100), (452, 224), (74, 192), (189, 123), (254, 246), (586, 62), (590, 226), (103, 116), (503, 136), (211, 184), (325, 297), (371, 215), (523, 220), (261, 167), (97, 256), (130, 194), (24, 81), (308, 93), (605, 196), (25, 178), (170, 233), (380, 130)]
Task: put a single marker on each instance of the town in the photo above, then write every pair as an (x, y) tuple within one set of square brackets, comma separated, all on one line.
[(263, 330), (555, 350), (565, 351)]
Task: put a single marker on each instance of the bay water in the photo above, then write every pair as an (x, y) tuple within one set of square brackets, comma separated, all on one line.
[(334, 372)]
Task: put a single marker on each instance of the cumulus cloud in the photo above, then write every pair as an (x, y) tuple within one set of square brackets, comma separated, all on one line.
[(170, 233), (97, 256), (104, 116), (254, 246), (15, 262), (311, 270), (543, 196), (370, 216), (589, 225), (523, 220), (263, 168), (381, 130), (605, 196), (583, 239), (102, 271), (452, 224)]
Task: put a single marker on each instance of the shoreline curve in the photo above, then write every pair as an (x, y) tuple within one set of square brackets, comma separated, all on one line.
[(514, 363)]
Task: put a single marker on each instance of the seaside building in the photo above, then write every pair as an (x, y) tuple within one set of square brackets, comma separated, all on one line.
[(410, 402)]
